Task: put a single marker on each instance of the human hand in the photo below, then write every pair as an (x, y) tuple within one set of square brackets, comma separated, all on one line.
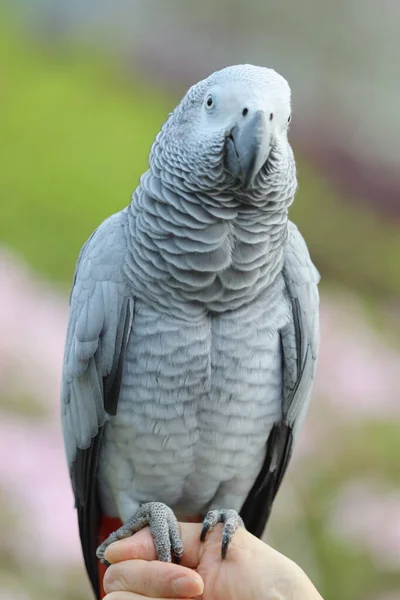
[(252, 569)]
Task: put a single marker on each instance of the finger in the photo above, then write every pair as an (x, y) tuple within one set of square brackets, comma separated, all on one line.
[(141, 546), (130, 596), (153, 579)]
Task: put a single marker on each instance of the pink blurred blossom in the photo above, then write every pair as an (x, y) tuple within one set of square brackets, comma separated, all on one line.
[(33, 320), (358, 372), (368, 518), (35, 483), (33, 473)]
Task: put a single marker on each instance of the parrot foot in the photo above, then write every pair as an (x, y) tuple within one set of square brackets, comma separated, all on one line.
[(231, 519), (163, 526)]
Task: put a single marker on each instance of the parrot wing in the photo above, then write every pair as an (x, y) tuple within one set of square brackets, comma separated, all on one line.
[(299, 343), (100, 321)]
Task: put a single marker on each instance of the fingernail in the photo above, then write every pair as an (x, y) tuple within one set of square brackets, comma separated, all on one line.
[(107, 549), (187, 586)]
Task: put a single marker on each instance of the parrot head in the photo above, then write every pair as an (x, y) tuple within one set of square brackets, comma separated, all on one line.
[(228, 130)]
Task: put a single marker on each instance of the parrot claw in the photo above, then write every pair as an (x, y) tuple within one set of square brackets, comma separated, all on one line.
[(163, 526), (231, 520)]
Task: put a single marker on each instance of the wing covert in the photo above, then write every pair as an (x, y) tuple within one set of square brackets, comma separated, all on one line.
[(100, 320)]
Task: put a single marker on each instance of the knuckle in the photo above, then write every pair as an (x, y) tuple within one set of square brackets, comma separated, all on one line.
[(114, 579)]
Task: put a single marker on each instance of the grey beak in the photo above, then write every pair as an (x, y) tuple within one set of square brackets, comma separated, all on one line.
[(247, 148)]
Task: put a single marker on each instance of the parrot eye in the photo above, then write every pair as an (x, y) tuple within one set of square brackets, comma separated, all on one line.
[(289, 118), (271, 116), (209, 102)]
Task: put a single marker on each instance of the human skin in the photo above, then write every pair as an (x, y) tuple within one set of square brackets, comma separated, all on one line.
[(252, 570)]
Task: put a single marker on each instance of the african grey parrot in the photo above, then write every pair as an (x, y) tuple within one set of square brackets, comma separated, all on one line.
[(193, 328)]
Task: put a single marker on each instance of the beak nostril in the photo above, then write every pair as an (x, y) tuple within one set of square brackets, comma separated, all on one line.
[(245, 111)]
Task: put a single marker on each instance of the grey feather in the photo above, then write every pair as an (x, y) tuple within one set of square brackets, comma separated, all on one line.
[(300, 338), (95, 317)]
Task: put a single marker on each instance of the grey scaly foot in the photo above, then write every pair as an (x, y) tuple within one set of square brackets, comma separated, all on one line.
[(231, 521), (163, 526)]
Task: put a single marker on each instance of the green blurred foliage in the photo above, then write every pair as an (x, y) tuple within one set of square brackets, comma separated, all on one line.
[(350, 243), (74, 140)]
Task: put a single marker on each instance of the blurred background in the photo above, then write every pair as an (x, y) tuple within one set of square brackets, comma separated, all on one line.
[(84, 89)]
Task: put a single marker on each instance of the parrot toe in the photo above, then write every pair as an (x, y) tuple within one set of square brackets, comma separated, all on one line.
[(163, 526), (231, 520)]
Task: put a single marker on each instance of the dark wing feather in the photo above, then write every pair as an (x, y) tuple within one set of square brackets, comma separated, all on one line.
[(83, 476), (299, 343), (100, 321), (257, 507)]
